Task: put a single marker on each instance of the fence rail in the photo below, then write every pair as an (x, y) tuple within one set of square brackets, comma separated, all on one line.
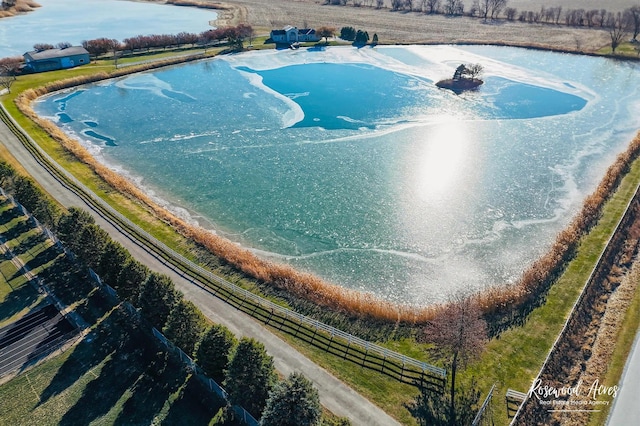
[(427, 373), (482, 410)]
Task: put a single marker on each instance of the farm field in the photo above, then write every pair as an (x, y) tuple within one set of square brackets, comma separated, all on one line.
[(404, 27)]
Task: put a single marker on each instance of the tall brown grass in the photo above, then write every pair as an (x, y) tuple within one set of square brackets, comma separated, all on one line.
[(502, 306), (506, 304)]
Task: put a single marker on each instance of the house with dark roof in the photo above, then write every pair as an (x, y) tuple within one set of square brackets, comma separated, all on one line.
[(55, 59), (290, 35)]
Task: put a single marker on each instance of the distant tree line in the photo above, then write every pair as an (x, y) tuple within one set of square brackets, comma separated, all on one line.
[(243, 367), (495, 9), (233, 36), (7, 4)]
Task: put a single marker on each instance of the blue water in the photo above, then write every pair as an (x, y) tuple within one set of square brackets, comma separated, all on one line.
[(351, 164), (74, 21)]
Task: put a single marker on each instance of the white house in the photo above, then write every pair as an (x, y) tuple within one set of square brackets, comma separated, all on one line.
[(291, 35)]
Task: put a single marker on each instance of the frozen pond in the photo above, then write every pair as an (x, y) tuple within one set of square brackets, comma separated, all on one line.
[(351, 164), (74, 21)]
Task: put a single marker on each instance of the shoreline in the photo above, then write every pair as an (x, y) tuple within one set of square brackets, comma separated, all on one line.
[(310, 288), (21, 6), (278, 277)]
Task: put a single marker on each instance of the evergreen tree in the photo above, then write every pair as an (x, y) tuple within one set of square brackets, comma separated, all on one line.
[(35, 201), (293, 402), (213, 350), (70, 226), (250, 376), (362, 38), (184, 325), (7, 173), (90, 244), (157, 297), (348, 33), (112, 261), (129, 280)]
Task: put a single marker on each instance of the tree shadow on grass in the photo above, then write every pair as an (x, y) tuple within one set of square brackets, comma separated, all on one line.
[(45, 256), (29, 243), (19, 299), (153, 389), (84, 357), (101, 394), (101, 343), (17, 229), (191, 405), (9, 214)]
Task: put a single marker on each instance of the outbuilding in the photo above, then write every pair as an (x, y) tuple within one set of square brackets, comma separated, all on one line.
[(55, 59)]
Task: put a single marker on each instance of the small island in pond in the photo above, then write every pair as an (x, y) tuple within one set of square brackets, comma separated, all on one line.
[(466, 77)]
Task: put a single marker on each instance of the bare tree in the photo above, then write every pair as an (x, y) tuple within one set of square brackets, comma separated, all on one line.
[(42, 46), (618, 29), (510, 13), (633, 18), (590, 17), (432, 6), (602, 17), (495, 7), (9, 67), (6, 81), (558, 14), (326, 32), (459, 334), (453, 7)]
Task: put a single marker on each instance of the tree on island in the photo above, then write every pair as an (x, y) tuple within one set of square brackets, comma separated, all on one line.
[(465, 77), (468, 72)]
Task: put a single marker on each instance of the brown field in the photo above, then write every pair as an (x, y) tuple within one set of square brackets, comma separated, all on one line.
[(21, 6), (415, 27)]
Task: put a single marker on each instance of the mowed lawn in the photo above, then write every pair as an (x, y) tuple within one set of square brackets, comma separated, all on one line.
[(17, 296), (102, 381)]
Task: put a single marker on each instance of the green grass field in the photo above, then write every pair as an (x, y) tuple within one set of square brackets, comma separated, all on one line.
[(17, 296), (105, 381)]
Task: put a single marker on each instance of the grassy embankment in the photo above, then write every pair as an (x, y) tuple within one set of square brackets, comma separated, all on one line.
[(513, 360), (17, 296), (110, 377)]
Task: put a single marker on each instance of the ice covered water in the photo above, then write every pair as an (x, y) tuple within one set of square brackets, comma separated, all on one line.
[(351, 164)]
